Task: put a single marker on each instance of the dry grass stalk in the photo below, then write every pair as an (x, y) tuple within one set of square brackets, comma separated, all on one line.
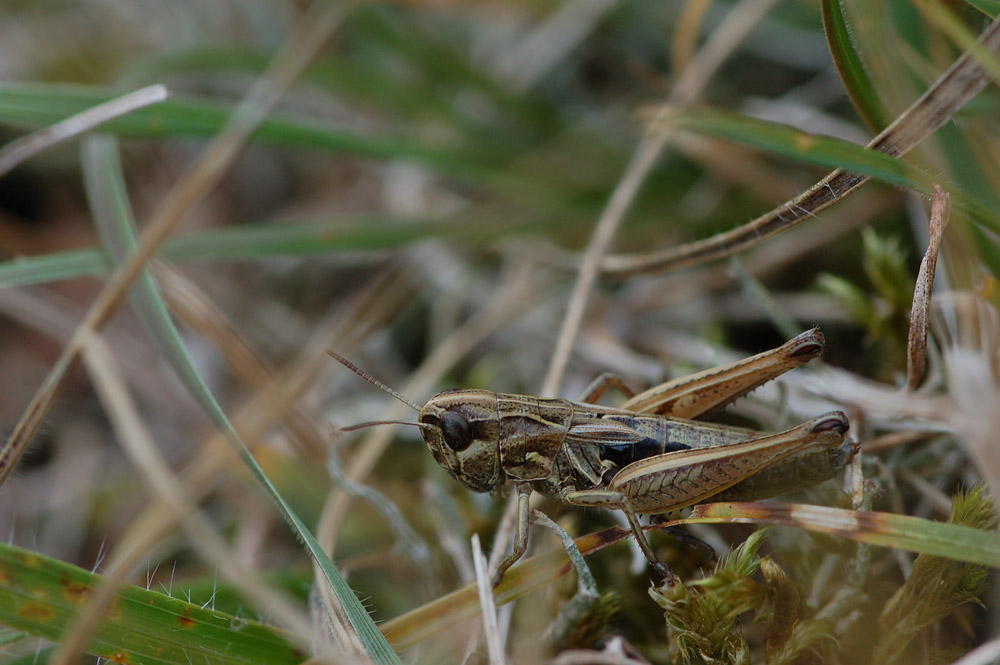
[(916, 348)]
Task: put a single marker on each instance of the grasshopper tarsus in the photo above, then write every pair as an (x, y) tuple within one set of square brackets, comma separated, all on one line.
[(691, 540), (668, 576)]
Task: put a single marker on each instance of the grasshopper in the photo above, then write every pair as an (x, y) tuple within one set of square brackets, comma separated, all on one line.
[(647, 457)]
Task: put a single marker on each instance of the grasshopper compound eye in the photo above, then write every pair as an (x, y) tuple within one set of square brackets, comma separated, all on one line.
[(456, 431)]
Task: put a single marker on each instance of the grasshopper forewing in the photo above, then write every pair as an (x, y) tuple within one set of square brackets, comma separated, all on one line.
[(647, 457)]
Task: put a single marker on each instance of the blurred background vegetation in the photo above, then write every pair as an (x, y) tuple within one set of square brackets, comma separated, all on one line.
[(420, 202)]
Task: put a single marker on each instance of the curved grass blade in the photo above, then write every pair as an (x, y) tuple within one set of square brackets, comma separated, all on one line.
[(853, 74), (106, 186), (33, 105), (827, 151), (26, 147), (42, 596)]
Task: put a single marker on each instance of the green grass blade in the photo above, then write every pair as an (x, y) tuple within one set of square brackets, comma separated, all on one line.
[(989, 7), (42, 596), (825, 151), (268, 240), (106, 185), (53, 267), (361, 82), (33, 106), (859, 86)]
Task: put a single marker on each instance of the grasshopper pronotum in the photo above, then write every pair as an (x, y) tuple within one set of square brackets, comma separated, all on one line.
[(646, 457)]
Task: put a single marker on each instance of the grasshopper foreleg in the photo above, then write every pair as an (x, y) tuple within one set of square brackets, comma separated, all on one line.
[(520, 531)]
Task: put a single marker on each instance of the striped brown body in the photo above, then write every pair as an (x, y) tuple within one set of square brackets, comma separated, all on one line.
[(486, 439), (650, 456)]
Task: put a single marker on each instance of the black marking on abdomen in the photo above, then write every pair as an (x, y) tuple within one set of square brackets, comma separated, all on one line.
[(623, 454)]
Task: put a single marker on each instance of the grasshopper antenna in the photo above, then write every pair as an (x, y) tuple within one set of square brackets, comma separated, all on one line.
[(383, 422), (375, 382)]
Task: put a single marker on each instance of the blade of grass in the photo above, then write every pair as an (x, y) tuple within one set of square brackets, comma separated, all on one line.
[(399, 94), (30, 106), (25, 147), (54, 267), (117, 227), (154, 469), (989, 7), (853, 74), (277, 239), (41, 596), (364, 83), (34, 105), (12, 638), (828, 151), (916, 347)]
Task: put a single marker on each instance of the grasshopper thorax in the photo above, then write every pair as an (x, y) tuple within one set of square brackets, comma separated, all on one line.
[(462, 431)]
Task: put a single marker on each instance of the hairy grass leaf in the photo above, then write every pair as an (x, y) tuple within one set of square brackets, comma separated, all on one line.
[(42, 596)]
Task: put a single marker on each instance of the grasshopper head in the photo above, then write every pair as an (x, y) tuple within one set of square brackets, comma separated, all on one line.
[(462, 431)]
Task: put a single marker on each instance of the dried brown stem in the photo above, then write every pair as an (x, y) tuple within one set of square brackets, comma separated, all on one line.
[(916, 345)]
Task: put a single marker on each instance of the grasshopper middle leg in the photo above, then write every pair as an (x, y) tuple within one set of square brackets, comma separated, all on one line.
[(601, 384)]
